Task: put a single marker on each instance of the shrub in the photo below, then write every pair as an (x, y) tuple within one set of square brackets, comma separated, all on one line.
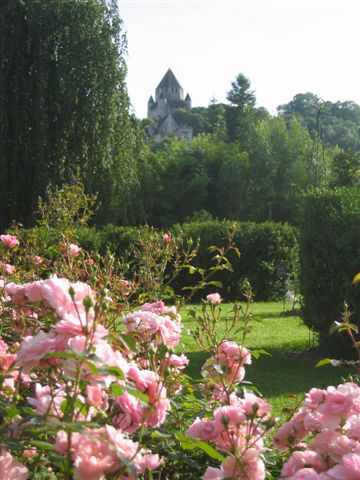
[(329, 260), (266, 251)]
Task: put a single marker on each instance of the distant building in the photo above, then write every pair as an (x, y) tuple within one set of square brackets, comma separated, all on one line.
[(169, 96)]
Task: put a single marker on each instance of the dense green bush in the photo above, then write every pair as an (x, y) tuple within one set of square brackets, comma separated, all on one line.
[(116, 239), (267, 250), (329, 259)]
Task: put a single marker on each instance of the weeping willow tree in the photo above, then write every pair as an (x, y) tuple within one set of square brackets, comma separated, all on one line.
[(64, 107)]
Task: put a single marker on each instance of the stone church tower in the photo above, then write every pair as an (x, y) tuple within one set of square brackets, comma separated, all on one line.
[(169, 96)]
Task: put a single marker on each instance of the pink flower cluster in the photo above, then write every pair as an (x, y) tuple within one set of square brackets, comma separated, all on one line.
[(102, 450), (228, 363), (78, 333), (332, 418), (130, 414), (154, 325), (238, 430)]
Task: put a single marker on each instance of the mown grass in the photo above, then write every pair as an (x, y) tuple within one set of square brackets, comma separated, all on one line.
[(289, 372)]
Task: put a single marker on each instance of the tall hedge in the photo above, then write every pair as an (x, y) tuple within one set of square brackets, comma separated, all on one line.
[(267, 251), (329, 259), (64, 108)]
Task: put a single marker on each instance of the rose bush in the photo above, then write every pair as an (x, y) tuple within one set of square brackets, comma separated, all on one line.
[(91, 386)]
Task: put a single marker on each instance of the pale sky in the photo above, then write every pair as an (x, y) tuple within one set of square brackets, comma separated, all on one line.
[(284, 47)]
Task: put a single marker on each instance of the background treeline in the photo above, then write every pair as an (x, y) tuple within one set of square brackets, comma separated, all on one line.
[(64, 109), (246, 164)]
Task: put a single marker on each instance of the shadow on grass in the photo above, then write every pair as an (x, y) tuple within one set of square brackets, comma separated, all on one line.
[(264, 315), (283, 373)]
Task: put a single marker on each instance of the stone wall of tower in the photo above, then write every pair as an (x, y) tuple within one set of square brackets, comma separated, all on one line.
[(160, 110), (171, 93)]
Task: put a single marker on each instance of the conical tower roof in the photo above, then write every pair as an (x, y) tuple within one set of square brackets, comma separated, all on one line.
[(169, 80)]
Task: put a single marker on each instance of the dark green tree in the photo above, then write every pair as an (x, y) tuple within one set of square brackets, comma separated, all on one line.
[(240, 114), (346, 168), (64, 106)]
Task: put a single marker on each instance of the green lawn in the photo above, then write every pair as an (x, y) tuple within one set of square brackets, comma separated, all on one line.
[(291, 368)]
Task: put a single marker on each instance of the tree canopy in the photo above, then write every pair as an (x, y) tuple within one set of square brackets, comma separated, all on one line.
[(64, 107)]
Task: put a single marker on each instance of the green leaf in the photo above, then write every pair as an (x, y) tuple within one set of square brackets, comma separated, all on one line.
[(353, 327), (128, 342), (64, 405), (116, 389), (11, 411), (188, 443), (356, 279), (218, 368), (139, 395), (335, 327), (106, 370), (258, 352), (216, 283), (42, 445), (156, 434), (324, 361)]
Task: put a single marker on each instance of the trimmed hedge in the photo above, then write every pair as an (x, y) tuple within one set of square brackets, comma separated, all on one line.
[(329, 260), (266, 249)]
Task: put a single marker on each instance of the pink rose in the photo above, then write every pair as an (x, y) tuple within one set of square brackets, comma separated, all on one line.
[(73, 249), (34, 349), (7, 268), (33, 291), (314, 398), (337, 404), (37, 260), (6, 359), (288, 435), (213, 298), (349, 469), (177, 361), (129, 413), (10, 468), (9, 240), (352, 427), (332, 444), (230, 351), (94, 395), (203, 429), (299, 460), (252, 467), (255, 406), (166, 237), (146, 462), (47, 401), (213, 474), (305, 474)]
